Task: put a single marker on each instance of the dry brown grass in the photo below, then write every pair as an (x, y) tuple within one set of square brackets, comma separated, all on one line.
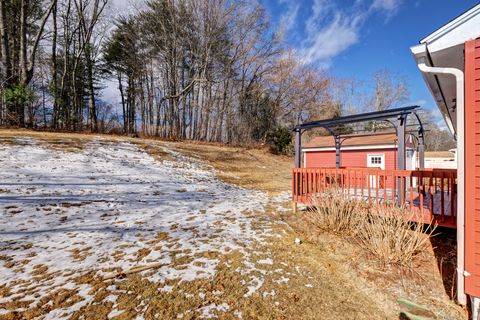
[(154, 149), (254, 168), (386, 231), (335, 212), (250, 167), (424, 285), (66, 142), (390, 235), (346, 283)]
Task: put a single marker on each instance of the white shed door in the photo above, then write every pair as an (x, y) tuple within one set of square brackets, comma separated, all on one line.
[(375, 161)]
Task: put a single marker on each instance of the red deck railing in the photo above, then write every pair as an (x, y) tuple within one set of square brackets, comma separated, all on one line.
[(430, 192)]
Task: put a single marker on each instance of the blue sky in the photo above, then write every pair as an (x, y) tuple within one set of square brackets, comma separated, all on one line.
[(355, 38)]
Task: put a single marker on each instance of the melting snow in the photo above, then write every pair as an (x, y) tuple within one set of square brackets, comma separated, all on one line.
[(206, 311), (102, 206), (265, 261)]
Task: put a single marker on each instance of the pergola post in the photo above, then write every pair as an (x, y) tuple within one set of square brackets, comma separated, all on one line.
[(421, 150), (337, 151), (298, 164), (298, 148), (401, 158), (421, 143)]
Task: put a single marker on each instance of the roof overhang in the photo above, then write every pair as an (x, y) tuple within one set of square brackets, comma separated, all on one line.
[(445, 48)]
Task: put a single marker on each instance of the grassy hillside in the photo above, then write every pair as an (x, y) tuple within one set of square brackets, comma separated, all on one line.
[(326, 277)]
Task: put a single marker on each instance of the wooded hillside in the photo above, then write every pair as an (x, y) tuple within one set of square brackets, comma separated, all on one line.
[(213, 70)]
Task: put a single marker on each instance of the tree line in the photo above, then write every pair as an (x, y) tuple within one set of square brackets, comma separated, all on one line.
[(213, 70)]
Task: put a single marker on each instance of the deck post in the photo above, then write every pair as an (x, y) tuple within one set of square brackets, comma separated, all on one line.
[(337, 151), (402, 123), (294, 207)]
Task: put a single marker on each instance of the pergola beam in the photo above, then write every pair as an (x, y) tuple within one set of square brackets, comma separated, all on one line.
[(381, 133), (363, 117), (330, 125)]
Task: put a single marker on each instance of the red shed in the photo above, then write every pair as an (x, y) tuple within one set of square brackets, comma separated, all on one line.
[(449, 60), (372, 151)]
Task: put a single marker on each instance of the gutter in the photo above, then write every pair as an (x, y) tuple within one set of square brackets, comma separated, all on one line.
[(460, 132)]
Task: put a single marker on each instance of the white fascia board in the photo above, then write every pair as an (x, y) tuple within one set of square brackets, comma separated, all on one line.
[(457, 31), (386, 146), (419, 49)]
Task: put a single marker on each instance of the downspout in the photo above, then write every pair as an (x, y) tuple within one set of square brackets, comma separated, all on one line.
[(460, 132)]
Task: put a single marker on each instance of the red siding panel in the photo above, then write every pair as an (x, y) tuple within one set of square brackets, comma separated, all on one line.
[(472, 164)]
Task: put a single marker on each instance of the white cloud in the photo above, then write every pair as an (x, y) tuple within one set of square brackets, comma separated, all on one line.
[(288, 19), (388, 6), (441, 124), (330, 30), (333, 39), (321, 9)]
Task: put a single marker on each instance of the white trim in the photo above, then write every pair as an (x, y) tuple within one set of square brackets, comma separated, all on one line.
[(452, 25), (386, 146), (475, 308)]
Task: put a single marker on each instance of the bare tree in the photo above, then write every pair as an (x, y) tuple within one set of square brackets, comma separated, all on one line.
[(211, 70), (389, 90), (20, 41)]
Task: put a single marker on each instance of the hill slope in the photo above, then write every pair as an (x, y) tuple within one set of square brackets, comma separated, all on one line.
[(206, 222)]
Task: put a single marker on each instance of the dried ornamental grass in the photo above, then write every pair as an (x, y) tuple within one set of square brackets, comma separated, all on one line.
[(335, 212), (391, 234)]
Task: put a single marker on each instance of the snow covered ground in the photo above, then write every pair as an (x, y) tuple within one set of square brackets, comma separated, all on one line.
[(109, 207)]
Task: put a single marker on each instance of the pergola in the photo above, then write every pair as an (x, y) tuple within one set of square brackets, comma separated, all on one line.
[(396, 118)]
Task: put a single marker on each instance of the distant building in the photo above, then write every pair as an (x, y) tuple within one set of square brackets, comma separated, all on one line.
[(441, 159)]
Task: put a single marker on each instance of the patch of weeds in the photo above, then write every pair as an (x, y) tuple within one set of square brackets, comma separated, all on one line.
[(80, 254), (142, 253)]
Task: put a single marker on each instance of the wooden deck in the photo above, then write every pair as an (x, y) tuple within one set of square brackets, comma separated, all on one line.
[(431, 192)]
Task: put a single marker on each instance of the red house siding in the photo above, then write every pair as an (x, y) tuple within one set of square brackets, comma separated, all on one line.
[(349, 158), (472, 167)]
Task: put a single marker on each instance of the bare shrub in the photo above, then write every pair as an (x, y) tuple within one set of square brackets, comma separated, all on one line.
[(335, 212), (390, 234)]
